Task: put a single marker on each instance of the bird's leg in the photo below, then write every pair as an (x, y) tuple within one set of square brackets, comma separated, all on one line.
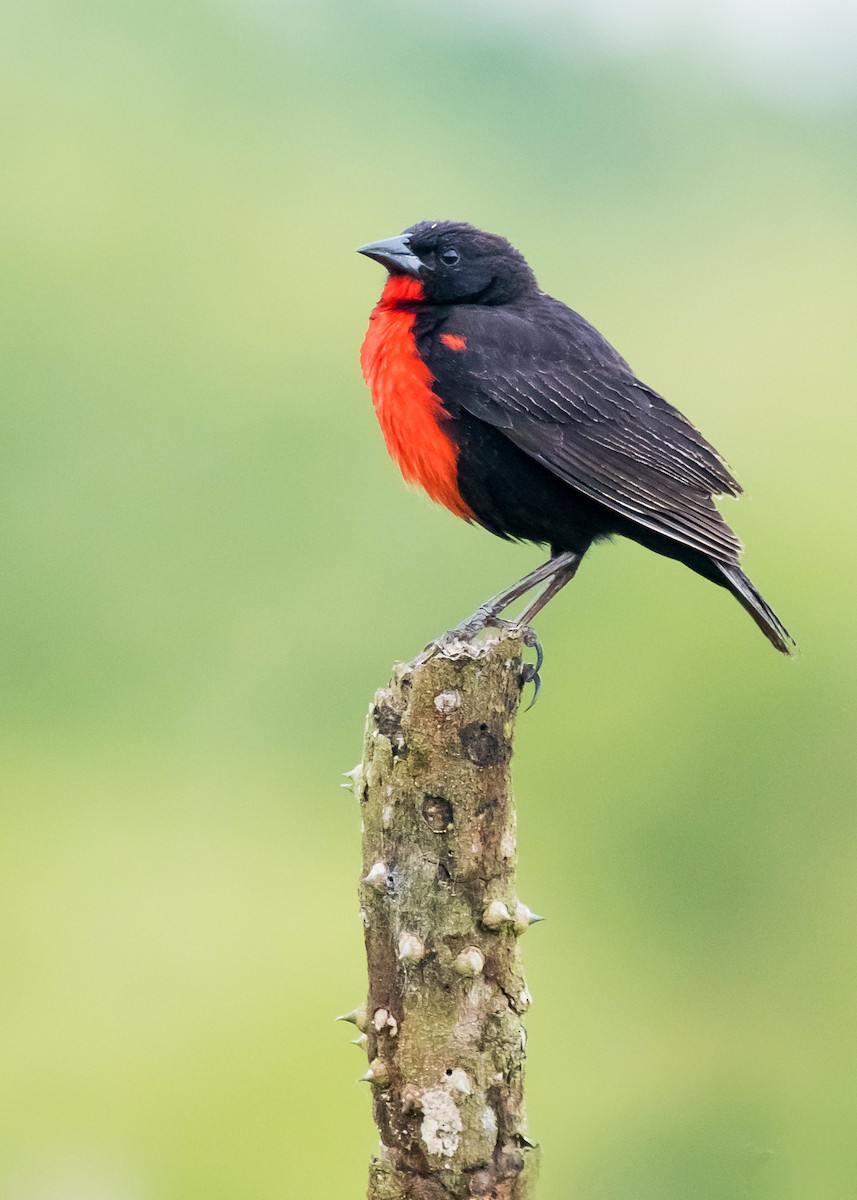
[(489, 612), (563, 576), (530, 671)]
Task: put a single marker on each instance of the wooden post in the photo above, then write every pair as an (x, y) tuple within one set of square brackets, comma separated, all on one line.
[(443, 1019)]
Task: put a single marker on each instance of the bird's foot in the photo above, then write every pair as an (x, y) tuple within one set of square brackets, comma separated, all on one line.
[(530, 672), (463, 634), (462, 637)]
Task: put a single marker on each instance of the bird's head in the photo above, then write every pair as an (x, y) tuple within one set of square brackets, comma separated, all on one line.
[(456, 263)]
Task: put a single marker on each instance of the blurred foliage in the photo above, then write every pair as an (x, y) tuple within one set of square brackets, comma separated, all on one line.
[(209, 565)]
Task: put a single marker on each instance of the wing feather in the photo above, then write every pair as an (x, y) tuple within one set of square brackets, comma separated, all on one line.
[(561, 393)]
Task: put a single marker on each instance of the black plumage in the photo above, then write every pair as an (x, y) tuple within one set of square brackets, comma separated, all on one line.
[(558, 441)]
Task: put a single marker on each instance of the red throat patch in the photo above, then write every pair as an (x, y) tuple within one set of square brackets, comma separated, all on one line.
[(408, 411)]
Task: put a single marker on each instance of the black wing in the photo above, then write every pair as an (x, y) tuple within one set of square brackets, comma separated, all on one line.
[(550, 382)]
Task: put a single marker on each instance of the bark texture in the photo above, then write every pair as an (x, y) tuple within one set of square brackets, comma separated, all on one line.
[(443, 1018)]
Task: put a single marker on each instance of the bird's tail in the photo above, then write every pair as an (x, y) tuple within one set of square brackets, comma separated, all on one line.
[(758, 608)]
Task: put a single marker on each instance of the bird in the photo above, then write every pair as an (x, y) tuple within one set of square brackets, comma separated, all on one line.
[(508, 408)]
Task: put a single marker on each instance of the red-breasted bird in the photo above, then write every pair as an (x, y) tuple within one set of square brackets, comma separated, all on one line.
[(509, 408)]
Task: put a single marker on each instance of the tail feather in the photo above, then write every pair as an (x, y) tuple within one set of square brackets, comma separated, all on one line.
[(758, 608)]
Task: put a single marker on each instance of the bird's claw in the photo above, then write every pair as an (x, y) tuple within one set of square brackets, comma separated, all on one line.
[(465, 632), (529, 674), (531, 639), (434, 647), (437, 646), (530, 671)]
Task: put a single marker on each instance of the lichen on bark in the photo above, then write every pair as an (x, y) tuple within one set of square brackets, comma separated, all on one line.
[(441, 915)]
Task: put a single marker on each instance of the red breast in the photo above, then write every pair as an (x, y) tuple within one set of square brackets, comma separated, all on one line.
[(408, 410)]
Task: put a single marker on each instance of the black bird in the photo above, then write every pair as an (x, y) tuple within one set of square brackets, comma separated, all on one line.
[(515, 413)]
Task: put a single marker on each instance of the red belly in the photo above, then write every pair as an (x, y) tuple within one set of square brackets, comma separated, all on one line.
[(408, 411)]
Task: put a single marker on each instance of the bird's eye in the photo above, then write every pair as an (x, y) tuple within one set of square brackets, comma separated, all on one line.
[(450, 256)]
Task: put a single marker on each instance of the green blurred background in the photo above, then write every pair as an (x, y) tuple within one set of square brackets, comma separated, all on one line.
[(209, 564)]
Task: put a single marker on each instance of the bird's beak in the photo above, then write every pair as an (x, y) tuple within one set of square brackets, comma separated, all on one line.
[(395, 254)]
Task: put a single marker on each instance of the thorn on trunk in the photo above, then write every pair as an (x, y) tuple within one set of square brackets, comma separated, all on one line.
[(378, 877), (411, 948), (524, 918), (470, 962), (495, 915), (377, 1073), (357, 1017)]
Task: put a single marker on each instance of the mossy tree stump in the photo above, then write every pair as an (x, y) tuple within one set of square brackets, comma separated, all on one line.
[(443, 1019)]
